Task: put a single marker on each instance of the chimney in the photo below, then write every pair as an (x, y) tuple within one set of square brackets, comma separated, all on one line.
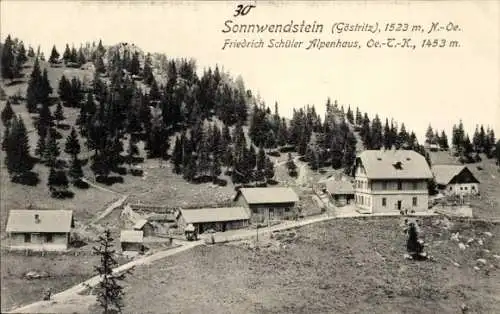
[(37, 218)]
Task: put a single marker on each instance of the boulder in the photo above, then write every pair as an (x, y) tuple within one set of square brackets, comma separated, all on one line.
[(470, 240), (454, 237), (488, 234), (480, 242), (481, 261), (476, 268), (33, 274), (461, 246)]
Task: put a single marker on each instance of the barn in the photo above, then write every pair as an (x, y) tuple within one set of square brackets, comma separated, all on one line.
[(455, 180), (39, 230), (217, 219), (267, 204)]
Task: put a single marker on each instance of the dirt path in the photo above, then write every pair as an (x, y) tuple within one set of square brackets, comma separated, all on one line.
[(71, 295), (109, 209)]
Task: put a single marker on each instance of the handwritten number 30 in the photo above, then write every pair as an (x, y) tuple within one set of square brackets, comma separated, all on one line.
[(243, 10)]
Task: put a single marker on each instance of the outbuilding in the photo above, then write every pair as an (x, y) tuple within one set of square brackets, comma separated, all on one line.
[(217, 219), (131, 240), (270, 203), (145, 226)]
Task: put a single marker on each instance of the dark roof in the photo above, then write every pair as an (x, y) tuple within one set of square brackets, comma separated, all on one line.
[(215, 214), (271, 195), (394, 164), (54, 221), (444, 174)]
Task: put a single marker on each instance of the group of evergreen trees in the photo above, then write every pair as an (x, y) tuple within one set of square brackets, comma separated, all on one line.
[(205, 116), (13, 57)]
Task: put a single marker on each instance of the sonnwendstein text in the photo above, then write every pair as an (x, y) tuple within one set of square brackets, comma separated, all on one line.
[(304, 27)]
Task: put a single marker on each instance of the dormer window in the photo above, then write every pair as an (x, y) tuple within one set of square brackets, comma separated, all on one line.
[(398, 165)]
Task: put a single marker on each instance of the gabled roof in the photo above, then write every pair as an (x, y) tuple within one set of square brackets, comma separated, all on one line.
[(272, 195), (140, 223), (131, 236), (215, 214), (444, 174), (394, 164), (337, 187), (54, 221)]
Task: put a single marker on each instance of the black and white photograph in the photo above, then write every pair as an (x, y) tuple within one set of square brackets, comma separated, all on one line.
[(250, 156)]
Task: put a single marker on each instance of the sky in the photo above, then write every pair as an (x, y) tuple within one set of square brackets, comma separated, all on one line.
[(436, 86)]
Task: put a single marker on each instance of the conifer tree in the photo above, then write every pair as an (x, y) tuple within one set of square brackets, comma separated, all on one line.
[(134, 66), (7, 114), (45, 120), (75, 170), (57, 182), (497, 152), (51, 151), (148, 70), (261, 159), (17, 153), (34, 86), (190, 169), (59, 114), (72, 145), (67, 54), (443, 141), (412, 245), (81, 57), (31, 52), (215, 168), (291, 166), (8, 61), (54, 55), (99, 65), (40, 147), (177, 156), (429, 135), (45, 88), (132, 150), (269, 169), (109, 291), (5, 138)]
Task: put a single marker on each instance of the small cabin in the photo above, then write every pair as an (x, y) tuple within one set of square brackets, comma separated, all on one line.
[(39, 230)]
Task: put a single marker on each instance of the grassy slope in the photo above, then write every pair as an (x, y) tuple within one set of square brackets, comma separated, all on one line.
[(330, 267), (85, 203)]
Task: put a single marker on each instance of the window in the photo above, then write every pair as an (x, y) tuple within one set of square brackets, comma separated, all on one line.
[(384, 202), (384, 185), (461, 188), (48, 238), (414, 201), (449, 188), (27, 238), (415, 185), (465, 188), (400, 185)]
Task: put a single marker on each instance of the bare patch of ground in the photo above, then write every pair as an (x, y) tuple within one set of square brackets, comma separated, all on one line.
[(343, 266)]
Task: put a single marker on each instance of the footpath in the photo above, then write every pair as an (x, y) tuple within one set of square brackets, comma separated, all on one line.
[(69, 300)]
